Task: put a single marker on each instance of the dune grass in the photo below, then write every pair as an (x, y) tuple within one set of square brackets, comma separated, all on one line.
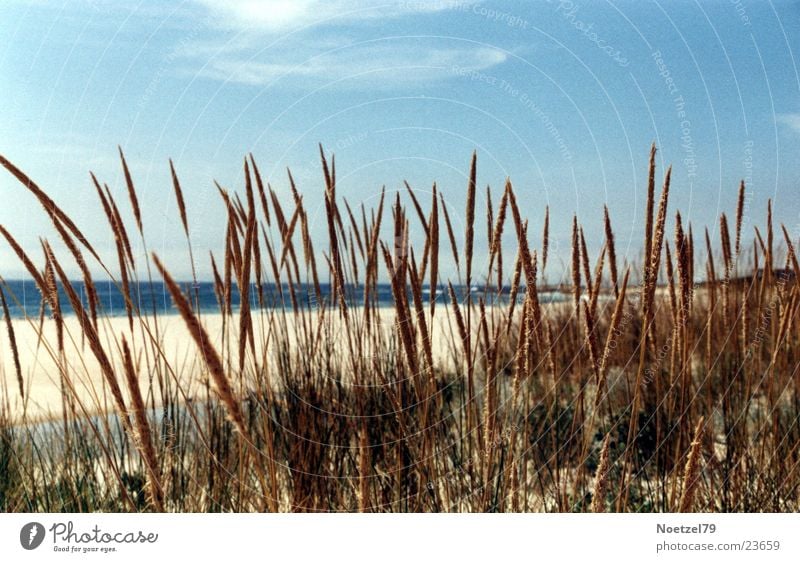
[(655, 388)]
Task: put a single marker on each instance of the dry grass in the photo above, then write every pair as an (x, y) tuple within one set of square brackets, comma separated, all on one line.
[(626, 398)]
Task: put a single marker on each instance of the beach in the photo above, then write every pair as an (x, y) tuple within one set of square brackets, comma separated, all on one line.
[(42, 365)]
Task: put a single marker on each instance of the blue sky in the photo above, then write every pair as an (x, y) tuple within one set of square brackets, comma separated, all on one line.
[(563, 97)]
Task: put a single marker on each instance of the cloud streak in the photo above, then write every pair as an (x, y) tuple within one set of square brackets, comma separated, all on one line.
[(790, 120), (378, 65), (283, 15), (312, 43)]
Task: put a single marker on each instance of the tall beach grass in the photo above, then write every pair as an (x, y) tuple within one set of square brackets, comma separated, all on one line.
[(667, 385)]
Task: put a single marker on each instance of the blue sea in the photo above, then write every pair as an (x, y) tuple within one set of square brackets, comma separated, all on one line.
[(24, 298)]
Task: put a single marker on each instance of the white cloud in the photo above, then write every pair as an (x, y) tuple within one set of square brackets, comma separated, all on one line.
[(268, 14), (387, 65), (791, 120), (281, 15), (308, 43)]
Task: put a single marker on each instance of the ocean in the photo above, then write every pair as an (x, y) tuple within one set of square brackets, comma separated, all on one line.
[(24, 298)]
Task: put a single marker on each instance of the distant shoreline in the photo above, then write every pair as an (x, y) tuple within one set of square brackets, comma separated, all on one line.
[(25, 292)]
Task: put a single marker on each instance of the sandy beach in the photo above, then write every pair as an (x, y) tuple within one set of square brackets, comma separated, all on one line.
[(41, 366)]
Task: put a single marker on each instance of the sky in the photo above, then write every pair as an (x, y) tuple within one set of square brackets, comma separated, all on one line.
[(563, 97)]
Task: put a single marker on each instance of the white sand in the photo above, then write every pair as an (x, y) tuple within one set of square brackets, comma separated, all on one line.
[(42, 374)]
